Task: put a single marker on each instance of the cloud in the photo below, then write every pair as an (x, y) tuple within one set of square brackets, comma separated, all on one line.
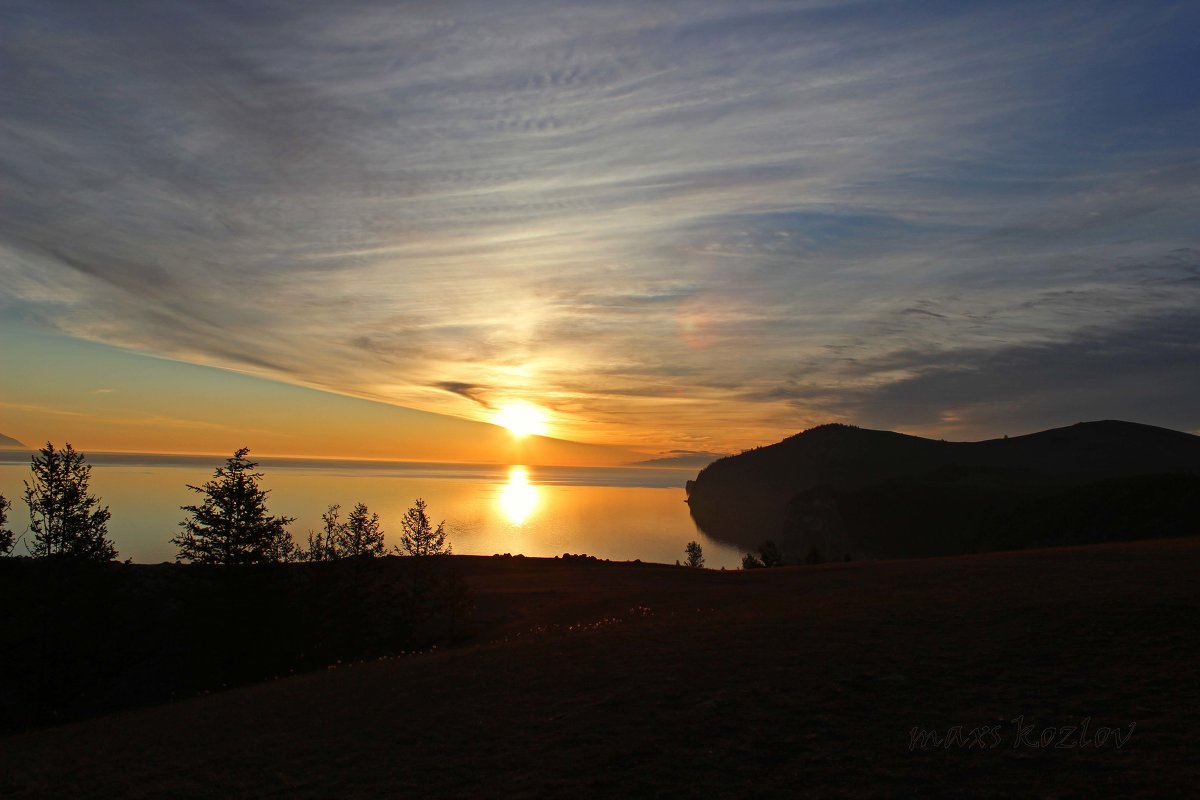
[(668, 224), (476, 394), (1135, 370)]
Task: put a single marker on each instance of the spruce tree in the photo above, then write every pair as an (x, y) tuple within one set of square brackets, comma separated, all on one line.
[(363, 536), (231, 525), (419, 538), (64, 519)]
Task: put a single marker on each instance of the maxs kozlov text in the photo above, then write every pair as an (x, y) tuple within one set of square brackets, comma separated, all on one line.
[(1018, 733)]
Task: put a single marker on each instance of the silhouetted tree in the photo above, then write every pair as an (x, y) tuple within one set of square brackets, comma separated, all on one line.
[(419, 538), (770, 555), (6, 536), (326, 544), (695, 555), (64, 519), (359, 535), (363, 535), (750, 561), (232, 526)]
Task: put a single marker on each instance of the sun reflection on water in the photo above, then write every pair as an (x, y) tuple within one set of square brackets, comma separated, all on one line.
[(518, 498)]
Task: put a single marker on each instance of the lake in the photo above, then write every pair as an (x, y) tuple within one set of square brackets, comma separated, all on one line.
[(616, 513)]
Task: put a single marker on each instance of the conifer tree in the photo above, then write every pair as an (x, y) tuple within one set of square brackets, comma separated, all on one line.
[(419, 538), (695, 555), (363, 536), (64, 519), (231, 525)]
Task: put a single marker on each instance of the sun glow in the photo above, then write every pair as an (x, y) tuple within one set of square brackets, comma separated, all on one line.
[(518, 498), (522, 419)]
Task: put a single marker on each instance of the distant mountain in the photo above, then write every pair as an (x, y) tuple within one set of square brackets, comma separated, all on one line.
[(682, 458), (837, 491), (11, 443)]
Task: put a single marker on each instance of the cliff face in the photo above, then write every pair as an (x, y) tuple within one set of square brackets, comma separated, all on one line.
[(837, 492)]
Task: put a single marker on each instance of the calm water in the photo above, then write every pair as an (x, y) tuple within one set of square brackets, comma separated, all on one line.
[(616, 513)]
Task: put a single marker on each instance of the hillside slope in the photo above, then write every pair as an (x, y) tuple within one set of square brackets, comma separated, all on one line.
[(626, 680)]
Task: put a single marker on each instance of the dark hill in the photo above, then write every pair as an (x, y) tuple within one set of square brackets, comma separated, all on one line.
[(837, 491)]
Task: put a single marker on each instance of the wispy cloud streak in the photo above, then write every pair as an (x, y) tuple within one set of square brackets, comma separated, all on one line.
[(697, 222)]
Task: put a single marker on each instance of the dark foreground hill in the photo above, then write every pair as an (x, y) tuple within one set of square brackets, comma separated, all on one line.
[(1048, 673), (838, 492)]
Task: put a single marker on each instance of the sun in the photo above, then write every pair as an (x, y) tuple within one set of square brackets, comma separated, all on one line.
[(522, 419)]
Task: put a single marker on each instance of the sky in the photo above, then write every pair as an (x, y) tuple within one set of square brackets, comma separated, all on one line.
[(354, 227)]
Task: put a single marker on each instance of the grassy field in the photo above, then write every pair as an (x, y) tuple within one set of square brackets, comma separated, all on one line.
[(596, 679)]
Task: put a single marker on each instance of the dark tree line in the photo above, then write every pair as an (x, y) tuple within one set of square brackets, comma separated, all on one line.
[(84, 633), (230, 524)]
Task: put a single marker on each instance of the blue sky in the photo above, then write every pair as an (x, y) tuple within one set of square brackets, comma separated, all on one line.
[(672, 226)]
